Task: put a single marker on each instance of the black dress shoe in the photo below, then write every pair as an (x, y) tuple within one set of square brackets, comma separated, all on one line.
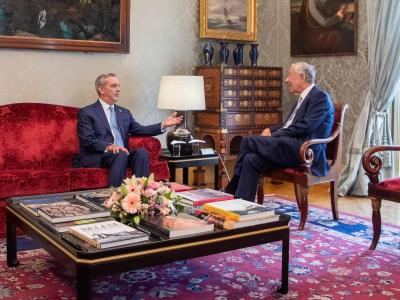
[(232, 185)]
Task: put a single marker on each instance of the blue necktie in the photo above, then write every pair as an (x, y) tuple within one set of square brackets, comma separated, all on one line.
[(114, 127)]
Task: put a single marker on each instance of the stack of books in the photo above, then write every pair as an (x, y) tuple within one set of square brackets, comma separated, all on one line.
[(108, 234), (236, 213)]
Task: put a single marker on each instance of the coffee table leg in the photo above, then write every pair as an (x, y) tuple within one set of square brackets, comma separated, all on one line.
[(285, 264), (83, 290), (12, 260)]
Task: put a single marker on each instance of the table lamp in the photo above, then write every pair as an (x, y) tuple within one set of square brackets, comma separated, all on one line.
[(181, 93)]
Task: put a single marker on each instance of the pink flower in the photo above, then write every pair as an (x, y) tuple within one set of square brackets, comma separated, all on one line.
[(113, 199), (131, 203), (154, 185), (165, 210)]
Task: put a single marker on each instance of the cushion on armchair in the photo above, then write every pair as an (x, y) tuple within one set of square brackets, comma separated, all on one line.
[(392, 184)]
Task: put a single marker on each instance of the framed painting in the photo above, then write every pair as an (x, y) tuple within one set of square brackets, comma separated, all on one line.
[(325, 27), (228, 19), (68, 25)]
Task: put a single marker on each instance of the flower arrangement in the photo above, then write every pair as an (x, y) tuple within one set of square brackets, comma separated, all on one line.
[(138, 197)]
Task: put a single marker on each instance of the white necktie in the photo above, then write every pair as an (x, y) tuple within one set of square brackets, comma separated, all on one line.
[(290, 120)]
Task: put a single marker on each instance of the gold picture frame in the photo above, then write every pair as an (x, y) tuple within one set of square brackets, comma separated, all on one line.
[(228, 20)]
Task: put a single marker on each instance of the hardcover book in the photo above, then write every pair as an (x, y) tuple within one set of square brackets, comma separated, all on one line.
[(108, 234), (32, 205), (239, 210), (97, 197), (177, 187), (64, 226), (225, 223), (175, 226), (200, 197), (70, 210)]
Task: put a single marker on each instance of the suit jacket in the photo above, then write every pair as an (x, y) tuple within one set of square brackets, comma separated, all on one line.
[(95, 134), (313, 120)]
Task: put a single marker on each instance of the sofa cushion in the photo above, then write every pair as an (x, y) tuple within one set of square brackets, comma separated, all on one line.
[(44, 136), (33, 182), (88, 178)]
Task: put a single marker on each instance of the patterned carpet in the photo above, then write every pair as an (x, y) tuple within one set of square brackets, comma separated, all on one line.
[(328, 260)]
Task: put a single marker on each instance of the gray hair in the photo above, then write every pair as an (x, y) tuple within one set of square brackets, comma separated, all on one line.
[(101, 80), (306, 69)]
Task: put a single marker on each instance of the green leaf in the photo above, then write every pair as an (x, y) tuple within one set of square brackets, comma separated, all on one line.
[(136, 220)]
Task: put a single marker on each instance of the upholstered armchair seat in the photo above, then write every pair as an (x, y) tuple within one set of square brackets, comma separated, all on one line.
[(388, 189), (38, 142)]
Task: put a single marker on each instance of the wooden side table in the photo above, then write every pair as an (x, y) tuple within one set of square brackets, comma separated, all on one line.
[(184, 162)]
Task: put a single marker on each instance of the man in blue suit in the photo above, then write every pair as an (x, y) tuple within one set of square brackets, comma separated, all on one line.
[(311, 117), (103, 131)]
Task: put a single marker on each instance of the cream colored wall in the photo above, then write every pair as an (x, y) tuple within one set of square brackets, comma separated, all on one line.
[(163, 40)]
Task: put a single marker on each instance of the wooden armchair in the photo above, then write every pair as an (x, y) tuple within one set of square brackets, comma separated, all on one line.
[(388, 189), (302, 177)]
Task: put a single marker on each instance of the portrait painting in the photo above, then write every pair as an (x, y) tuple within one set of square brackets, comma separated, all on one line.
[(323, 27), (228, 19), (81, 25)]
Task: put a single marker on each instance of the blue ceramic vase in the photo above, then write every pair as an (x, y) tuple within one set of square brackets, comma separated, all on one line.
[(224, 53), (208, 53), (238, 55), (253, 53)]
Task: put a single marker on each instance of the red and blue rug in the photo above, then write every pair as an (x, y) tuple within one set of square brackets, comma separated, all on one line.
[(328, 260)]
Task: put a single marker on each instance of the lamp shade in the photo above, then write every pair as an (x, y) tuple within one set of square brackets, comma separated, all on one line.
[(181, 93)]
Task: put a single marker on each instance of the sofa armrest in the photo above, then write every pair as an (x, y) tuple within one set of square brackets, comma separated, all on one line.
[(151, 144)]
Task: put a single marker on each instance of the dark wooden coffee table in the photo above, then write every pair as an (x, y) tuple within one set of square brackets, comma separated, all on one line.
[(88, 264)]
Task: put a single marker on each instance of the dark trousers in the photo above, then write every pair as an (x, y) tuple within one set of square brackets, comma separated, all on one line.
[(255, 154), (117, 164)]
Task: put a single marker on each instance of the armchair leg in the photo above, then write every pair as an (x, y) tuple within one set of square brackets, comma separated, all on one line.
[(297, 193), (376, 221), (334, 202), (260, 190), (303, 207)]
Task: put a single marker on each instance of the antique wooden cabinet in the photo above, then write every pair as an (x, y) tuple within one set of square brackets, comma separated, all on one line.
[(240, 101)]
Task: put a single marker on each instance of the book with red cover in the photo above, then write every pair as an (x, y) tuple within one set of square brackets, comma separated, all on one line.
[(200, 197), (177, 187)]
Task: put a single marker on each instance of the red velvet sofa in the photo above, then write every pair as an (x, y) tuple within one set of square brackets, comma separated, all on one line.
[(38, 142)]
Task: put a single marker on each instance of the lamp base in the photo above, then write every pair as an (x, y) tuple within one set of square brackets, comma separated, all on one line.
[(183, 135)]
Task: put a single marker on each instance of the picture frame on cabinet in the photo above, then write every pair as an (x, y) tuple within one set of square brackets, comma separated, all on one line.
[(66, 25), (323, 28), (228, 20)]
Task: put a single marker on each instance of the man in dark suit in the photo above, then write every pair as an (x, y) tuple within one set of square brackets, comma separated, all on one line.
[(311, 117), (103, 131)]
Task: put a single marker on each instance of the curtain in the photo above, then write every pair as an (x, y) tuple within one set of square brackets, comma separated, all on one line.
[(372, 126)]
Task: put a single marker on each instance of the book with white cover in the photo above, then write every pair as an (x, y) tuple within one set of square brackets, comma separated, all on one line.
[(239, 209), (108, 234)]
